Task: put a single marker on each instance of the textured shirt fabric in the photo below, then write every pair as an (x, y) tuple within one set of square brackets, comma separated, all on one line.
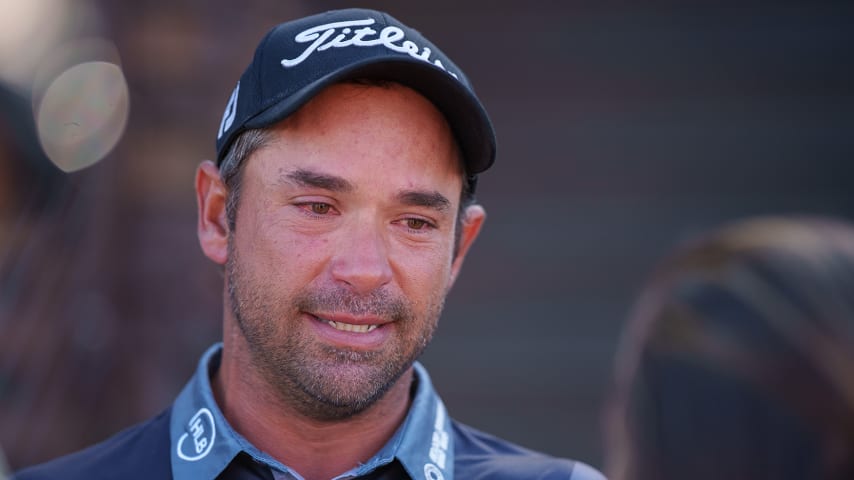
[(192, 441)]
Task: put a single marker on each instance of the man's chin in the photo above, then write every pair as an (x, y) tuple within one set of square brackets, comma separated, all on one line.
[(334, 388), (333, 399)]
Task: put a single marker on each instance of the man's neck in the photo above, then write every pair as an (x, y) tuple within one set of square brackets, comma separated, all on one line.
[(314, 449)]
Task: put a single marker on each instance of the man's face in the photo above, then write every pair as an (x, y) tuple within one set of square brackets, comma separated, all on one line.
[(342, 254)]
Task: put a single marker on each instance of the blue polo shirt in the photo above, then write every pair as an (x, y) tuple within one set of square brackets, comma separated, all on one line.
[(193, 441)]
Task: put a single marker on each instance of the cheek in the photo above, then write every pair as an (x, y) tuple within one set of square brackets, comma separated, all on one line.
[(296, 260), (424, 275), (281, 257)]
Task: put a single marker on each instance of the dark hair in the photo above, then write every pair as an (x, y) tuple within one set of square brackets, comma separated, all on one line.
[(231, 169), (738, 359)]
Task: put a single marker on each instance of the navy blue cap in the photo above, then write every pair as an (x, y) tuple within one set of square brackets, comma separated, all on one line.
[(298, 59)]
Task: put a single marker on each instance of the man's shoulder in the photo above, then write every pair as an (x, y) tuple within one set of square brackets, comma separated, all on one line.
[(479, 455), (141, 451)]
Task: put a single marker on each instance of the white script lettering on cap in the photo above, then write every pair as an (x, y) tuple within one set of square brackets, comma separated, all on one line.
[(361, 37)]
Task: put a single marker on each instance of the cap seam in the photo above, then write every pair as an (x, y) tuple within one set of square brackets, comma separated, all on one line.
[(262, 50)]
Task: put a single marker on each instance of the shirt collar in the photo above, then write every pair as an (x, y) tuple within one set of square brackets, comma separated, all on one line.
[(204, 444)]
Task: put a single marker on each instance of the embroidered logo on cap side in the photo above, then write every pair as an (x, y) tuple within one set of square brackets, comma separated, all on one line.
[(203, 430), (322, 39), (230, 112)]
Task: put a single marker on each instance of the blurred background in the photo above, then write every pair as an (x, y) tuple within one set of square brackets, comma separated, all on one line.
[(623, 128)]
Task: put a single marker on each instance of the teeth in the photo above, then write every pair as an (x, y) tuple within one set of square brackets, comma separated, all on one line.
[(348, 327)]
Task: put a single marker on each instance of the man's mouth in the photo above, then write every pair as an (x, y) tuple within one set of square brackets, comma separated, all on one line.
[(349, 327)]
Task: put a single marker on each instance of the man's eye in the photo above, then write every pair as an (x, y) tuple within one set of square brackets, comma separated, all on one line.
[(416, 223), (319, 208)]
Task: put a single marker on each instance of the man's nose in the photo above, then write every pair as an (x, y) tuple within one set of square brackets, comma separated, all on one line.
[(361, 259)]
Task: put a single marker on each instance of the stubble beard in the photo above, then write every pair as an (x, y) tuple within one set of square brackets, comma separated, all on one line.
[(321, 381)]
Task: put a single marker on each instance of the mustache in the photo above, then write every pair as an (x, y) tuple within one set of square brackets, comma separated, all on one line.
[(378, 303)]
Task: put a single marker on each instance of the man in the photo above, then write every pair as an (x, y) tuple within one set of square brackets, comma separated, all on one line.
[(341, 207)]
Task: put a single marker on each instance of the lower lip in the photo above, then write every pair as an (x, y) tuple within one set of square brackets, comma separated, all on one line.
[(360, 341)]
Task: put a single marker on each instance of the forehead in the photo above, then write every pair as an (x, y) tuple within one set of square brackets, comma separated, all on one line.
[(380, 127)]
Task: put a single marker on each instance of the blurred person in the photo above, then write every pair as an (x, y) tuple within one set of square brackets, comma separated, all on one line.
[(29, 183), (738, 359), (341, 207), (37, 243)]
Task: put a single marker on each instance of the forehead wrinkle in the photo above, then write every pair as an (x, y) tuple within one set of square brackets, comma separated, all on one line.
[(310, 178)]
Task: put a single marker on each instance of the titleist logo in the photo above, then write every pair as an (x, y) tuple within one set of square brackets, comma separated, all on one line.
[(393, 38)]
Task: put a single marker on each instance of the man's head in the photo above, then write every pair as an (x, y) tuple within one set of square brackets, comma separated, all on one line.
[(350, 225)]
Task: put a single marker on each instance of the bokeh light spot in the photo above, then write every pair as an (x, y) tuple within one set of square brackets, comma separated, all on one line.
[(32, 26), (83, 114)]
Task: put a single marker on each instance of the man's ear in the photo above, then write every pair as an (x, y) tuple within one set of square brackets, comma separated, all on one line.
[(213, 226), (473, 218)]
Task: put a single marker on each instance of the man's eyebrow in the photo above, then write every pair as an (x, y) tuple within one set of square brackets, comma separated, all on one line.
[(309, 178), (419, 198)]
